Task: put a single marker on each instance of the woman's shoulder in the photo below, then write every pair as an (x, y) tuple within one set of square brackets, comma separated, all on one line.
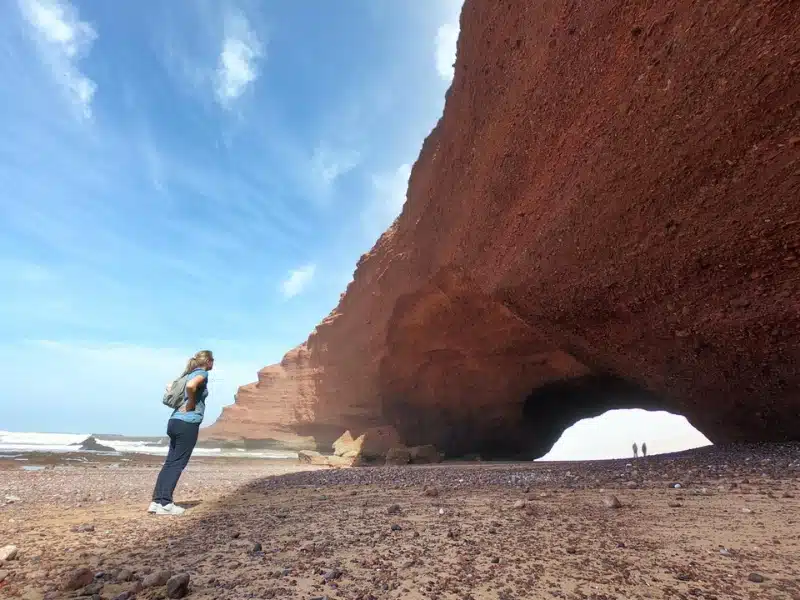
[(196, 372)]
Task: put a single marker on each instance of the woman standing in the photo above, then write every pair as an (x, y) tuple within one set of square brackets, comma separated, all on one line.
[(182, 429)]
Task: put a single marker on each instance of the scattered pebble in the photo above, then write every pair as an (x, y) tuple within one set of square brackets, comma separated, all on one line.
[(431, 492), (8, 553), (156, 579), (124, 575), (756, 578), (77, 579), (178, 586), (612, 501)]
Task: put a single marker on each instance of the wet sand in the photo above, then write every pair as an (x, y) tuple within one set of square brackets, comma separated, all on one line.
[(259, 529)]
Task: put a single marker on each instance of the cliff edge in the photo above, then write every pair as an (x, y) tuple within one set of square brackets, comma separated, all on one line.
[(607, 215)]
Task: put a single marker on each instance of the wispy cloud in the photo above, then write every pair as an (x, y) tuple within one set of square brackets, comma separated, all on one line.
[(298, 280), (63, 40), (389, 195), (446, 42), (327, 165), (238, 60)]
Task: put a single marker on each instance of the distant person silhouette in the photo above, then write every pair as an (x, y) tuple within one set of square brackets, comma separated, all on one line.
[(635, 450), (644, 449), (183, 428)]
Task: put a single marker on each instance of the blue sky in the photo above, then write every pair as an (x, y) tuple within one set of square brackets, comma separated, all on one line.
[(183, 175)]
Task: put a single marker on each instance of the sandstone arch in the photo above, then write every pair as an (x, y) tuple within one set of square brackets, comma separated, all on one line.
[(612, 189)]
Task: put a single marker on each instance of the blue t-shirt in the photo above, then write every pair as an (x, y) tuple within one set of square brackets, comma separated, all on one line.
[(196, 415)]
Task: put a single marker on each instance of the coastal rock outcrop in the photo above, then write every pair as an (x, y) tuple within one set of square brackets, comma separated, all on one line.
[(90, 444), (607, 215)]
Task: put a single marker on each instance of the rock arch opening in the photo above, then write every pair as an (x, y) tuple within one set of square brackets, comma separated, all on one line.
[(612, 434), (551, 409)]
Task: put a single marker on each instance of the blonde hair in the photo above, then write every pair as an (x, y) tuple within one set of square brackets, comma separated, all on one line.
[(201, 359)]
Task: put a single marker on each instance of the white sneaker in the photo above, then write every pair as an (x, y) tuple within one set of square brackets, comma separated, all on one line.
[(170, 509), (153, 507)]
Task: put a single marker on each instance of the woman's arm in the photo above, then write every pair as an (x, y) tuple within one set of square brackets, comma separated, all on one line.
[(191, 392)]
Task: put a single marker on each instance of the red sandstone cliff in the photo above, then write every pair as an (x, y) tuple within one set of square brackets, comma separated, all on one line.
[(613, 195)]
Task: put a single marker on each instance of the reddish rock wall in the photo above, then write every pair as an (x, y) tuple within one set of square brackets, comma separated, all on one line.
[(612, 197)]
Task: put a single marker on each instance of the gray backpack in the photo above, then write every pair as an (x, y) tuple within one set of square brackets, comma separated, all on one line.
[(176, 393)]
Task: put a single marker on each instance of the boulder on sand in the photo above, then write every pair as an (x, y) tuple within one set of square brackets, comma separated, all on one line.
[(373, 444), (398, 456), (423, 455), (310, 457)]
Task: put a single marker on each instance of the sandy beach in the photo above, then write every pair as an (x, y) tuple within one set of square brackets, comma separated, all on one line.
[(711, 523)]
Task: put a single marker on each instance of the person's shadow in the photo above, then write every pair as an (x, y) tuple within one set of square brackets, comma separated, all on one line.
[(189, 503)]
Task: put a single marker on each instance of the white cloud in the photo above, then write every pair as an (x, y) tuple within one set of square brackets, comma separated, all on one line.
[(238, 60), (327, 166), (446, 42), (389, 191), (298, 280), (63, 40)]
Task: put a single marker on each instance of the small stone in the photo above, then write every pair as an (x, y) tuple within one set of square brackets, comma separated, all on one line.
[(256, 547), (612, 502), (756, 578), (8, 553), (332, 575), (178, 586), (676, 486), (431, 492), (156, 579), (725, 552), (394, 509), (3, 575), (674, 504), (124, 575), (396, 527), (631, 485), (92, 588), (77, 579), (519, 504), (85, 528), (11, 499), (739, 303), (747, 511)]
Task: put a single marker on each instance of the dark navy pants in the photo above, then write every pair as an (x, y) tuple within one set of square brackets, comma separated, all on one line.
[(182, 440)]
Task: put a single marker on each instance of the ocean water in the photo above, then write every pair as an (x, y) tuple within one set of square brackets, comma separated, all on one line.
[(12, 442)]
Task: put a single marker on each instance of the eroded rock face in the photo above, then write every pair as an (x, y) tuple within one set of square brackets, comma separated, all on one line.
[(607, 215)]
